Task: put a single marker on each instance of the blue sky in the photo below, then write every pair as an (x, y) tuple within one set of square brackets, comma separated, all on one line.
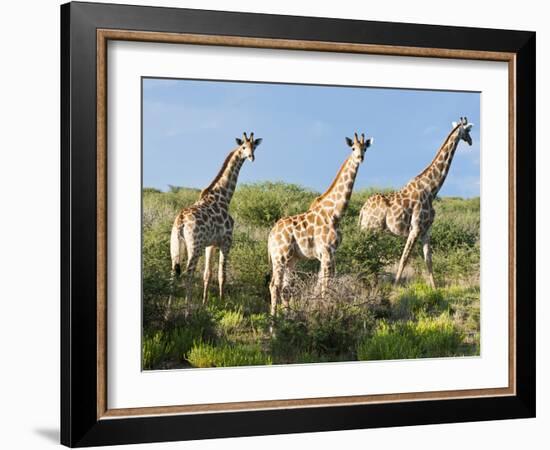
[(190, 126)]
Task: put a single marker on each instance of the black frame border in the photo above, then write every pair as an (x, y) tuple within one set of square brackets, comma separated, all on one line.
[(79, 423)]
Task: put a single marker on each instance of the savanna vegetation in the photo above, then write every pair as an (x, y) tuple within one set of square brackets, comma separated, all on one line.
[(363, 317)]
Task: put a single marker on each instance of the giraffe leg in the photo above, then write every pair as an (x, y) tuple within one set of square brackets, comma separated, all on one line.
[(222, 267), (192, 260), (275, 285), (207, 272), (286, 292), (413, 236), (168, 309), (177, 251), (326, 272), (427, 249)]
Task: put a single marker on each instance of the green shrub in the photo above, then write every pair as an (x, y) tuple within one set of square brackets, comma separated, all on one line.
[(153, 350), (156, 268), (249, 264), (291, 338), (306, 357), (150, 190), (176, 338), (457, 265), (199, 320), (262, 204), (330, 328), (161, 346), (419, 299), (426, 338), (231, 321), (207, 355), (438, 337), (389, 343), (202, 355), (365, 252), (460, 210), (160, 208), (447, 235), (259, 323), (180, 340)]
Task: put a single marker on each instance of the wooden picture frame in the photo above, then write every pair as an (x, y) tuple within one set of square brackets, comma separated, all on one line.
[(86, 418)]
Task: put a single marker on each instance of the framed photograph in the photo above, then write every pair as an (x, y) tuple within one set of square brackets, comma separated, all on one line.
[(276, 224)]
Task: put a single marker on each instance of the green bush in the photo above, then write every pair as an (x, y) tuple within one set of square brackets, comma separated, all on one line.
[(262, 204), (231, 322), (156, 269), (428, 337), (249, 264), (332, 330), (307, 357), (366, 253), (176, 338), (160, 208), (457, 265), (259, 323), (206, 355), (447, 235), (419, 299), (153, 350), (166, 345)]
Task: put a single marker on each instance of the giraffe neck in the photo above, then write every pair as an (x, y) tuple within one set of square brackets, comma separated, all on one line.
[(433, 176), (335, 200), (225, 182)]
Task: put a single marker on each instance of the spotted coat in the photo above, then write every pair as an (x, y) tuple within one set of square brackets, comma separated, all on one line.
[(409, 212), (206, 224), (314, 234)]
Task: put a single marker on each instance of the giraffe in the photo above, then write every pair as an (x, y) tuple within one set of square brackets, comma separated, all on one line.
[(207, 224), (409, 211), (314, 234)]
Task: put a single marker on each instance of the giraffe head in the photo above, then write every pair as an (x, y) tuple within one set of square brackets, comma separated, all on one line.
[(247, 145), (359, 146), (464, 130)]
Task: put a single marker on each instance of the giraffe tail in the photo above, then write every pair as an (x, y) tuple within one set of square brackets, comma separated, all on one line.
[(269, 258), (175, 250)]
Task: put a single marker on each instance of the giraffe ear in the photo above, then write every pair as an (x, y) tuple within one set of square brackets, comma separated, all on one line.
[(370, 141), (349, 142), (239, 141), (454, 124), (257, 142)]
